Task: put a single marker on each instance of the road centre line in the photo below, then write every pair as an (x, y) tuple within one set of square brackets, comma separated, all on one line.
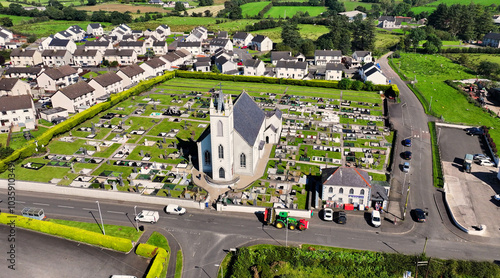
[(65, 206), (41, 204), (117, 212), (89, 209)]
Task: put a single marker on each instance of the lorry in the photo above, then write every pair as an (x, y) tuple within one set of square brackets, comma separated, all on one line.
[(467, 165), (148, 216), (281, 220)]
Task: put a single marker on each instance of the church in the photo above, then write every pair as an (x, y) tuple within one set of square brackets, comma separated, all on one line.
[(234, 142)]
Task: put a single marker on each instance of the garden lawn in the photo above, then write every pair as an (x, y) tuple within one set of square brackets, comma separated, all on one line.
[(3, 139), (289, 11), (111, 230), (253, 9)]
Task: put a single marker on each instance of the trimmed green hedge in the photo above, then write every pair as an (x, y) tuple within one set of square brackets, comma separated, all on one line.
[(437, 170), (160, 262), (115, 243)]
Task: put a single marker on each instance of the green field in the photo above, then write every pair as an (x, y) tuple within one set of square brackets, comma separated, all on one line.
[(43, 29), (351, 5), (433, 5), (289, 11), (386, 39), (253, 9), (475, 59), (307, 31)]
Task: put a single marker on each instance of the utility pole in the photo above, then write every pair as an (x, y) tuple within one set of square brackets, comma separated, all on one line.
[(100, 215)]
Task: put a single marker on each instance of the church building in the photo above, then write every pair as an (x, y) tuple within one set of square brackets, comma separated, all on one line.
[(235, 140)]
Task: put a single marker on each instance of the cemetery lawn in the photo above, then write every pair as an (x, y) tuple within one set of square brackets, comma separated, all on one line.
[(107, 152), (155, 153), (44, 174), (126, 171), (61, 147)]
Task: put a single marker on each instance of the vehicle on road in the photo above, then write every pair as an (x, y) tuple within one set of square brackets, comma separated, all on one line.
[(480, 156), (174, 209), (474, 131), (406, 167), (407, 142), (340, 217), (376, 220), (497, 197), (419, 215), (282, 219), (467, 165), (328, 214), (122, 276), (406, 155), (35, 213), (486, 162), (148, 216)]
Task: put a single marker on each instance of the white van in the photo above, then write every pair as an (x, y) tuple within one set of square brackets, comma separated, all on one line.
[(376, 221), (148, 216)]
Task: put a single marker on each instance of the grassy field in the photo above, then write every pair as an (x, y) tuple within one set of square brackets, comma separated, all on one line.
[(43, 29), (475, 59), (386, 39), (16, 20), (433, 5), (253, 9), (307, 31), (351, 5), (122, 8), (289, 11), (213, 9), (232, 26)]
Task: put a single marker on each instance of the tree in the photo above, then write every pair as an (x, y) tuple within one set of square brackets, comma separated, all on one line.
[(345, 83), (91, 2), (215, 69), (488, 68), (433, 44), (179, 7), (290, 35), (416, 35), (6, 22), (314, 2), (307, 47), (357, 85), (207, 13), (113, 64)]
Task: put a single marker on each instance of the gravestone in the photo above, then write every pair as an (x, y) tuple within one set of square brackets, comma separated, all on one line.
[(113, 186), (142, 153), (164, 141), (108, 162), (190, 163), (160, 146)]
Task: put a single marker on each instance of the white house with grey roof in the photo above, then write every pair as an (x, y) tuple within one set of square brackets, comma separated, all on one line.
[(370, 72), (54, 78), (194, 47), (23, 72), (154, 67), (322, 57), (242, 39), (5, 36), (220, 43), (282, 56), (334, 71), (293, 70), (95, 29), (362, 57), (14, 87), (345, 185), (58, 44), (106, 84), (234, 142), (122, 56), (87, 57), (21, 57), (17, 111), (160, 48), (74, 98), (225, 65), (131, 75), (138, 46), (254, 67), (101, 45), (351, 15), (492, 40), (261, 43), (198, 34), (56, 58)]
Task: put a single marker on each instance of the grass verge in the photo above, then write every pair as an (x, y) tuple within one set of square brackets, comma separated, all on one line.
[(111, 230), (178, 265), (437, 170)]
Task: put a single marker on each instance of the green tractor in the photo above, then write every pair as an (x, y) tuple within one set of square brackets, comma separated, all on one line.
[(281, 220)]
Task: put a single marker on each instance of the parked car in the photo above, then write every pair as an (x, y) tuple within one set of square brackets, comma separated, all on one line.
[(406, 155), (340, 217), (497, 197), (474, 131), (328, 214), (175, 209), (480, 156), (420, 215), (406, 167), (486, 162), (407, 142), (376, 220)]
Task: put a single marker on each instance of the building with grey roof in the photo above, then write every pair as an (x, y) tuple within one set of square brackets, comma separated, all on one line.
[(75, 98), (18, 111), (345, 185), (106, 84)]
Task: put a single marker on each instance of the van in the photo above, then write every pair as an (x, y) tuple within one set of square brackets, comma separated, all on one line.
[(148, 216), (376, 222)]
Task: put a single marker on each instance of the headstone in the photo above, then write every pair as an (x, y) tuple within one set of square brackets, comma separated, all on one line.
[(181, 152), (98, 148), (70, 133), (142, 153), (160, 146), (145, 142), (134, 170), (190, 163), (164, 141), (108, 162), (131, 122), (113, 186)]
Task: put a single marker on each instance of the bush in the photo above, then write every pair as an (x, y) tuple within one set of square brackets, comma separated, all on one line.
[(147, 250), (160, 262)]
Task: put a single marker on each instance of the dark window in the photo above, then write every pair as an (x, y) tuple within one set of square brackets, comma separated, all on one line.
[(341, 191), (362, 192), (243, 160), (221, 151), (351, 191), (207, 157), (330, 190), (222, 174)]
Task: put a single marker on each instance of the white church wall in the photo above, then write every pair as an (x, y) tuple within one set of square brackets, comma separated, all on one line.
[(226, 141), (241, 146), (204, 146)]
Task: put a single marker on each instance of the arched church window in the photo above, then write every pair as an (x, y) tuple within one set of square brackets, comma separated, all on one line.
[(207, 157), (351, 191), (221, 151), (362, 192), (222, 173), (243, 160), (330, 190), (220, 128), (341, 191)]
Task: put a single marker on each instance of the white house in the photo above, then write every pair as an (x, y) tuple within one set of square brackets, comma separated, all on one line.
[(131, 75), (53, 79), (322, 57), (352, 14), (122, 56), (293, 70), (21, 57), (362, 57), (370, 72), (138, 46), (160, 48), (163, 30), (198, 34), (225, 65), (85, 57), (282, 56), (23, 72), (154, 67), (57, 44), (220, 43), (121, 30), (74, 98), (106, 84), (14, 87), (261, 43), (254, 67), (202, 64), (334, 71), (52, 57), (235, 141), (242, 39), (5, 36), (54, 114), (17, 111), (194, 47), (344, 185), (492, 40), (388, 22), (95, 29), (77, 32), (102, 46)]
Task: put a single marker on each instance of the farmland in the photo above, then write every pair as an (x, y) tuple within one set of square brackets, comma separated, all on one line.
[(351, 5), (289, 11), (43, 29), (110, 7), (307, 31), (433, 5), (253, 9), (213, 9)]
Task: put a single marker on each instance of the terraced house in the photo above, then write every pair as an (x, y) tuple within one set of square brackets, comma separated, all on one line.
[(74, 98), (53, 79), (21, 57), (106, 84), (52, 57), (16, 111), (85, 57), (122, 56)]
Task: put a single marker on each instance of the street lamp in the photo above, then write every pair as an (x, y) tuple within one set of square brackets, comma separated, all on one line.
[(100, 215), (135, 218), (221, 270)]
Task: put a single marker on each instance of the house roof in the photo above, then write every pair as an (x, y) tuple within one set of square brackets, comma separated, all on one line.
[(85, 52), (132, 70), (202, 64), (248, 118), (188, 44), (345, 176), (60, 72), (28, 70), (159, 43), (58, 42), (76, 90), (6, 84), (97, 43), (107, 79), (253, 63), (388, 18), (335, 66), (291, 65), (362, 53), (95, 25), (367, 66), (276, 112), (76, 29), (155, 63), (12, 103), (170, 57), (53, 110), (65, 34), (493, 36), (119, 52), (332, 53), (21, 52), (131, 44), (259, 38), (219, 42), (182, 53), (3, 35), (54, 53), (371, 71), (278, 55), (222, 34), (240, 35)]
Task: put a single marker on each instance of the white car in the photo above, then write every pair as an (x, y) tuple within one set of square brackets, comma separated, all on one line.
[(497, 197), (406, 167), (480, 156), (328, 214), (486, 162), (175, 209), (376, 220)]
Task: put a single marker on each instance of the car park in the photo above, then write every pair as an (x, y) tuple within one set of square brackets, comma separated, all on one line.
[(376, 220), (480, 156), (419, 215), (407, 142), (406, 155), (340, 217), (175, 209), (486, 162), (406, 167)]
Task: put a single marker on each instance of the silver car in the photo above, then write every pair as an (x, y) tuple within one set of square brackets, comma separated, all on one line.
[(328, 214)]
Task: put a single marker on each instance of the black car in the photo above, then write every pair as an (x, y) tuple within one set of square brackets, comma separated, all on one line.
[(420, 215), (340, 217), (406, 155), (474, 131)]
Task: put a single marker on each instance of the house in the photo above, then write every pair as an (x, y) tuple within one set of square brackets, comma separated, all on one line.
[(163, 30), (5, 36), (17, 111), (131, 75), (156, 2), (220, 43), (137, 46), (184, 55), (154, 67), (282, 56), (322, 57), (160, 47), (57, 44), (63, 35), (198, 34), (225, 65), (242, 39), (95, 29), (345, 185), (370, 72), (261, 43), (74, 98), (202, 64), (102, 46), (137, 33), (21, 57), (235, 141), (53, 57), (222, 35), (362, 57), (293, 70), (54, 114), (122, 56), (492, 40), (194, 47), (121, 30), (77, 32), (352, 15), (334, 71), (106, 84), (254, 67), (53, 79), (388, 22), (23, 72), (85, 57), (14, 87)]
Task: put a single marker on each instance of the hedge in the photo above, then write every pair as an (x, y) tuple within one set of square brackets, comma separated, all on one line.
[(111, 242), (160, 262)]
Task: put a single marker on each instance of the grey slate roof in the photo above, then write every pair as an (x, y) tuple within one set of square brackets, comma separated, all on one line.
[(388, 18), (21, 52), (278, 55), (77, 90), (97, 43), (367, 66), (131, 44), (54, 53), (155, 63), (248, 118), (276, 112), (493, 36), (362, 53), (202, 64), (118, 52), (132, 70), (60, 72), (219, 42), (370, 72), (345, 176), (291, 65), (12, 103), (259, 38), (53, 110), (335, 66), (222, 34), (65, 34), (6, 84), (189, 44), (58, 42), (107, 79), (240, 35), (95, 25), (3, 35), (159, 43), (85, 52), (332, 53), (27, 70), (253, 63)]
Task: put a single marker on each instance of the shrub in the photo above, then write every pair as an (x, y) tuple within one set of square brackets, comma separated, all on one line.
[(160, 261)]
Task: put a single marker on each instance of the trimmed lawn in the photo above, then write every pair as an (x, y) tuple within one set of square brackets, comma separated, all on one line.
[(3, 139), (106, 152), (111, 230), (155, 153), (289, 11), (253, 9), (307, 31), (159, 240), (44, 174), (61, 147)]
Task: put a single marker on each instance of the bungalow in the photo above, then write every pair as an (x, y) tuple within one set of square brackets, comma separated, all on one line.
[(220, 43), (242, 39), (53, 79), (160, 47), (131, 75), (492, 40), (23, 72), (261, 43), (156, 2), (106, 84), (322, 57), (14, 87), (137, 46), (225, 65), (57, 44), (344, 185), (95, 29), (17, 111), (154, 67), (102, 46), (282, 56), (254, 67), (52, 57), (122, 56), (352, 15), (194, 47), (202, 64), (362, 57), (293, 70), (334, 71), (21, 57), (370, 72), (85, 57), (74, 98)]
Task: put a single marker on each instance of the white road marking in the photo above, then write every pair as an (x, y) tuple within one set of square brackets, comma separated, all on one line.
[(117, 212), (65, 207), (89, 209), (21, 202), (41, 204)]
